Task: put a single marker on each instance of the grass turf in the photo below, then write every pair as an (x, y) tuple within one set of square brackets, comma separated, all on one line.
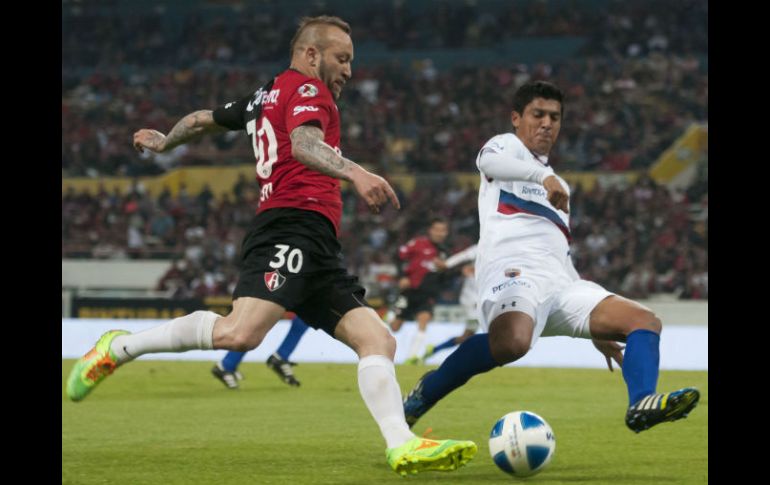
[(167, 422)]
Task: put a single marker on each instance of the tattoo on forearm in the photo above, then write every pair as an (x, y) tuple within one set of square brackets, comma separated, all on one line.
[(192, 126), (310, 150)]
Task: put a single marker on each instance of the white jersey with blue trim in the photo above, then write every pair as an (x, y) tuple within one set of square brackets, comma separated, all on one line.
[(519, 227)]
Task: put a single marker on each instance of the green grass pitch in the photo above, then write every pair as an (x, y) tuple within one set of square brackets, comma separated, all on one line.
[(165, 422)]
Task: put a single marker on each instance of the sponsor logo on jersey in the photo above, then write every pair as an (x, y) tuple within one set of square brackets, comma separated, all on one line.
[(301, 109), (274, 280), (307, 90), (533, 190), (261, 97)]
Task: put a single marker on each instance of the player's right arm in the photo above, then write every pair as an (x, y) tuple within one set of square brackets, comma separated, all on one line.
[(193, 126), (504, 163), (189, 128)]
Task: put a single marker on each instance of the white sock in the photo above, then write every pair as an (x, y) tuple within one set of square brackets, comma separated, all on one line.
[(382, 395), (193, 331), (418, 342)]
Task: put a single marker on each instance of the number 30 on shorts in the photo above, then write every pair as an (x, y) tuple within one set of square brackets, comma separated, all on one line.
[(292, 260)]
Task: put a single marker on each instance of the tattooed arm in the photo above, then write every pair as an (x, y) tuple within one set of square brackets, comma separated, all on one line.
[(191, 127), (308, 148)]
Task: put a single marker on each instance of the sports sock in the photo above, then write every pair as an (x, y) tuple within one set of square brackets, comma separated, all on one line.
[(382, 395), (193, 331)]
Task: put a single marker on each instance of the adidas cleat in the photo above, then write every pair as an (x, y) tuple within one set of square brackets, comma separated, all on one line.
[(657, 408), (229, 379), (283, 369)]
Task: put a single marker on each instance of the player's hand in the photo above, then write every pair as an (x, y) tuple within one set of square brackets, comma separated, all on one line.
[(440, 264), (468, 270), (557, 194), (152, 140), (611, 351), (403, 283), (375, 190)]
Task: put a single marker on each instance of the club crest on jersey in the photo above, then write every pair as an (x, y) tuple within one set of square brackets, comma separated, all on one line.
[(307, 90), (274, 280)]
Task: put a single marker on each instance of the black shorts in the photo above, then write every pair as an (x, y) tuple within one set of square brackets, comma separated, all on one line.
[(292, 257), (413, 301)]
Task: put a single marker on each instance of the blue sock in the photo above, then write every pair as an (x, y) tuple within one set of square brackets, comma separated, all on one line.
[(290, 342), (472, 357), (232, 360), (446, 345), (640, 364)]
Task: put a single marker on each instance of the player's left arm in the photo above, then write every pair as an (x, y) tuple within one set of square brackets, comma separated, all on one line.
[(309, 148)]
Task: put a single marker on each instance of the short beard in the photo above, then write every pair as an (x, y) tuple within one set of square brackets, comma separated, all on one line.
[(322, 73)]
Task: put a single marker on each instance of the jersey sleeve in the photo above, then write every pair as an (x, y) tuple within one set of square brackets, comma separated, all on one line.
[(312, 101), (464, 256), (233, 114), (509, 161)]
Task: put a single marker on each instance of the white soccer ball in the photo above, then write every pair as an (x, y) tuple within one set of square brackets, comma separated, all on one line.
[(522, 443)]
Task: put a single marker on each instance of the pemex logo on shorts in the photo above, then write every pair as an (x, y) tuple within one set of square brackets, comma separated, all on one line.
[(274, 280)]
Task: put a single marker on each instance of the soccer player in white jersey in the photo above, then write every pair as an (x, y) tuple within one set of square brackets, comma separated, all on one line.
[(528, 286)]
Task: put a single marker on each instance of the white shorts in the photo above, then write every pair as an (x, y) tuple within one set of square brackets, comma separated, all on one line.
[(558, 305)]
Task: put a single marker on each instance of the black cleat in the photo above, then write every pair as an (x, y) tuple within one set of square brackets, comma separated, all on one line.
[(283, 369), (657, 408), (229, 379)]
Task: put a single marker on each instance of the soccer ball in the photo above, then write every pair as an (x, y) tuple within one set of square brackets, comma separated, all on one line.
[(522, 443)]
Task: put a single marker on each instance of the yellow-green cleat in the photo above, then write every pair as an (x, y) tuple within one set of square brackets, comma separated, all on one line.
[(92, 368), (421, 454)]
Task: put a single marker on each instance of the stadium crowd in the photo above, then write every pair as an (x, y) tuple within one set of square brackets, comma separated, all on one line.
[(638, 240), (640, 79), (635, 87)]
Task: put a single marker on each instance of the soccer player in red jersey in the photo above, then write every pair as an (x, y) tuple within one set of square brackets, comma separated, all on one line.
[(291, 257)]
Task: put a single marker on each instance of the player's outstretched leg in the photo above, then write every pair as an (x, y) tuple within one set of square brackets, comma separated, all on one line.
[(116, 347), (658, 408), (93, 367), (641, 360)]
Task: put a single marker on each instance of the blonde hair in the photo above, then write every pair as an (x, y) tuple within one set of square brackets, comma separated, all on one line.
[(308, 22)]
